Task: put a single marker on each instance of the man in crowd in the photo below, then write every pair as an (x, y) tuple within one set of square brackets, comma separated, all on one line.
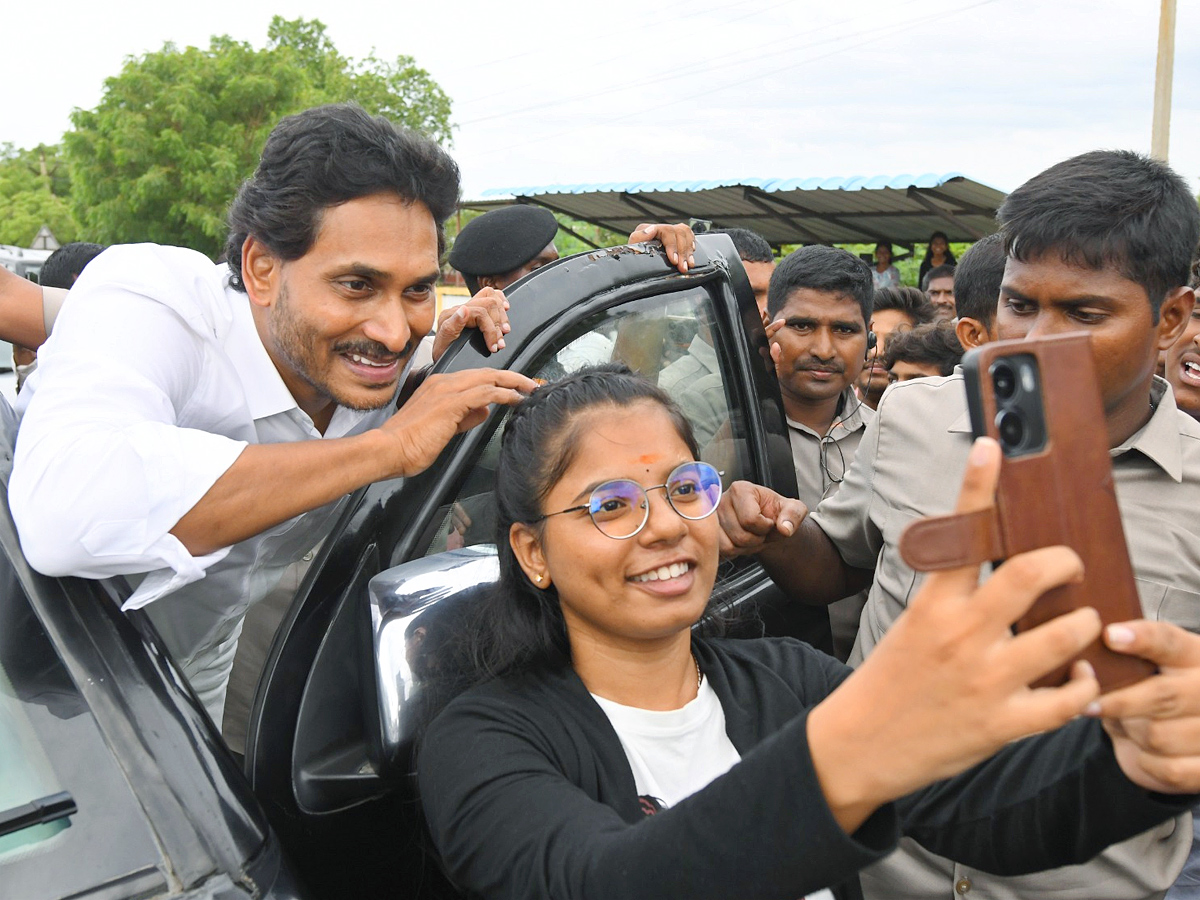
[(939, 288), (503, 246), (205, 450), (757, 259), (894, 310), (977, 281), (1072, 266), (1183, 359), (819, 305), (926, 351)]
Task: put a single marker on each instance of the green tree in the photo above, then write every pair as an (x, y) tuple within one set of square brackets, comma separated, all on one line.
[(177, 131), (34, 186)]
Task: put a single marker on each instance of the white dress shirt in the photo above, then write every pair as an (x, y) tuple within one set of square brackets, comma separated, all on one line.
[(152, 383)]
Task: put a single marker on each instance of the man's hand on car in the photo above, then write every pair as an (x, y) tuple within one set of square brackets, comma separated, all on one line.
[(678, 241), (443, 406), (487, 311)]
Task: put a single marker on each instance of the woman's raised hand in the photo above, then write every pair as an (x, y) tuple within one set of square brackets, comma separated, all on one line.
[(948, 685)]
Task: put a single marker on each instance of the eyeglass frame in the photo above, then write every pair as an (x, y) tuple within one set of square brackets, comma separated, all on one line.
[(646, 507)]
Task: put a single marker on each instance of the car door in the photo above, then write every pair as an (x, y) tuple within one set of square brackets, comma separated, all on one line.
[(312, 755)]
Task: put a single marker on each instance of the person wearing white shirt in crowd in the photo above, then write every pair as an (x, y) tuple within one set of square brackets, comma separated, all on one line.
[(198, 426)]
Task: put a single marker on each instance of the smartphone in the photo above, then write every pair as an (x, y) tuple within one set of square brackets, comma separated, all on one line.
[(1040, 400)]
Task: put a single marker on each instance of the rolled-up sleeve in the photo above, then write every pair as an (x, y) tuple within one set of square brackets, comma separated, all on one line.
[(103, 468)]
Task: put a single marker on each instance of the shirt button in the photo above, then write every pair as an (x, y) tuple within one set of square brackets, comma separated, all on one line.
[(962, 886), (308, 556)]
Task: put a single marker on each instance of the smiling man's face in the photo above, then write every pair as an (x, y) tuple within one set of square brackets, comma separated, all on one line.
[(341, 321)]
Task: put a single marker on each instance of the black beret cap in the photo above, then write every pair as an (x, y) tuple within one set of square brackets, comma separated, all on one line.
[(502, 240)]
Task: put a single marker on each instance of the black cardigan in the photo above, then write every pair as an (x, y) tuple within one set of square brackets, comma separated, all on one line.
[(528, 794)]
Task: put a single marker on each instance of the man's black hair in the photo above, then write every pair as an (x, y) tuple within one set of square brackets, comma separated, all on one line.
[(63, 266), (327, 156), (909, 300), (945, 270), (1107, 209), (934, 343), (822, 268), (977, 280), (751, 246)]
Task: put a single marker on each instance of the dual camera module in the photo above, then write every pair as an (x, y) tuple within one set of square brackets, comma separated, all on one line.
[(1020, 418)]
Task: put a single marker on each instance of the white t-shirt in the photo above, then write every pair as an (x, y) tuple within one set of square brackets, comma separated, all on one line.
[(674, 753)]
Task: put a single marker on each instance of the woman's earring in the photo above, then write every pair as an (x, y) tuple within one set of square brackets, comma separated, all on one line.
[(537, 578)]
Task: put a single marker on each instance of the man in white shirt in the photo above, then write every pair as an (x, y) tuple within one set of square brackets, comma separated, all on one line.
[(198, 427)]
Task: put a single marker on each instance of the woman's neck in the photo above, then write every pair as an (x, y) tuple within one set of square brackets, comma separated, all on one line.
[(648, 675)]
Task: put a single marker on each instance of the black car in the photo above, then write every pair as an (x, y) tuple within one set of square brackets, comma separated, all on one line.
[(113, 782)]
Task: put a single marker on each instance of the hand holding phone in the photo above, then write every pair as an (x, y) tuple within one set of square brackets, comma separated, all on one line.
[(1039, 399)]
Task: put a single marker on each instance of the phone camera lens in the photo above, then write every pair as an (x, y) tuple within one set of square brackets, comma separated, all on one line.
[(1005, 381), (1011, 428)]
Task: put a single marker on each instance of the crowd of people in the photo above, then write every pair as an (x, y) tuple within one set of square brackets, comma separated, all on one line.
[(197, 427)]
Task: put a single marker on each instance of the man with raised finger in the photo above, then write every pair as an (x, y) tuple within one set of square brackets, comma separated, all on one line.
[(198, 427)]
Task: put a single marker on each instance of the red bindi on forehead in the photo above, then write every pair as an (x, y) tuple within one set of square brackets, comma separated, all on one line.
[(648, 458)]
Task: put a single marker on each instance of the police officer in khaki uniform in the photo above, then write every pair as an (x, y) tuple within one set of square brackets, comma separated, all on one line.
[(819, 303)]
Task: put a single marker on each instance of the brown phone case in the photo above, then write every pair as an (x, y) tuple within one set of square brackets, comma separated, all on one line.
[(1059, 493)]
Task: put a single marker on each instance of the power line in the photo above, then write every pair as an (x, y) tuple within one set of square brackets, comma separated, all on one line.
[(712, 64), (891, 30)]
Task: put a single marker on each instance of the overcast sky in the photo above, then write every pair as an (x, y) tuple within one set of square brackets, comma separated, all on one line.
[(712, 89)]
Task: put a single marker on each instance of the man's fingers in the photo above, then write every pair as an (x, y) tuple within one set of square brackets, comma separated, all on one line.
[(1166, 737), (465, 380), (488, 326), (787, 513), (678, 241), (1167, 645)]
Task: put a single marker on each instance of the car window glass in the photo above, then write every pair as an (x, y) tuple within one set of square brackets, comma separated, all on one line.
[(25, 771), (669, 339), (50, 742)]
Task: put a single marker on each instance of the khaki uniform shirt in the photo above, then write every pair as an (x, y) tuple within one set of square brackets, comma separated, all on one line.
[(910, 464), (699, 360), (821, 464)]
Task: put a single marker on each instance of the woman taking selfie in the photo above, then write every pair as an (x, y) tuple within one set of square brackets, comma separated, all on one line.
[(607, 751)]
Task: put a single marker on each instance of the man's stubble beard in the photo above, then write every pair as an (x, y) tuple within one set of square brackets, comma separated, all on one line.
[(296, 341)]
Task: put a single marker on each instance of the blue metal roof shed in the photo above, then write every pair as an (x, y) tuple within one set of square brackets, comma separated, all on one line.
[(903, 209)]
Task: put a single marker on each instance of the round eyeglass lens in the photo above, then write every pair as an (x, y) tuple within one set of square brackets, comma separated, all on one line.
[(618, 508), (694, 490)]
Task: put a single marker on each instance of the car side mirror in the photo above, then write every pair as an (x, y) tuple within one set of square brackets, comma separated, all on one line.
[(416, 612)]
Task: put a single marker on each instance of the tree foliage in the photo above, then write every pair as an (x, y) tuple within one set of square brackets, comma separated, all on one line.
[(162, 155), (33, 188)]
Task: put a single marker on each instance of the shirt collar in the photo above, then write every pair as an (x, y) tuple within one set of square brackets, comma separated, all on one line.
[(1159, 439), (266, 394), (843, 423), (704, 353)]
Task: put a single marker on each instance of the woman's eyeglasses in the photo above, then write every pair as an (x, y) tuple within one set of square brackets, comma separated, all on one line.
[(621, 508)]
